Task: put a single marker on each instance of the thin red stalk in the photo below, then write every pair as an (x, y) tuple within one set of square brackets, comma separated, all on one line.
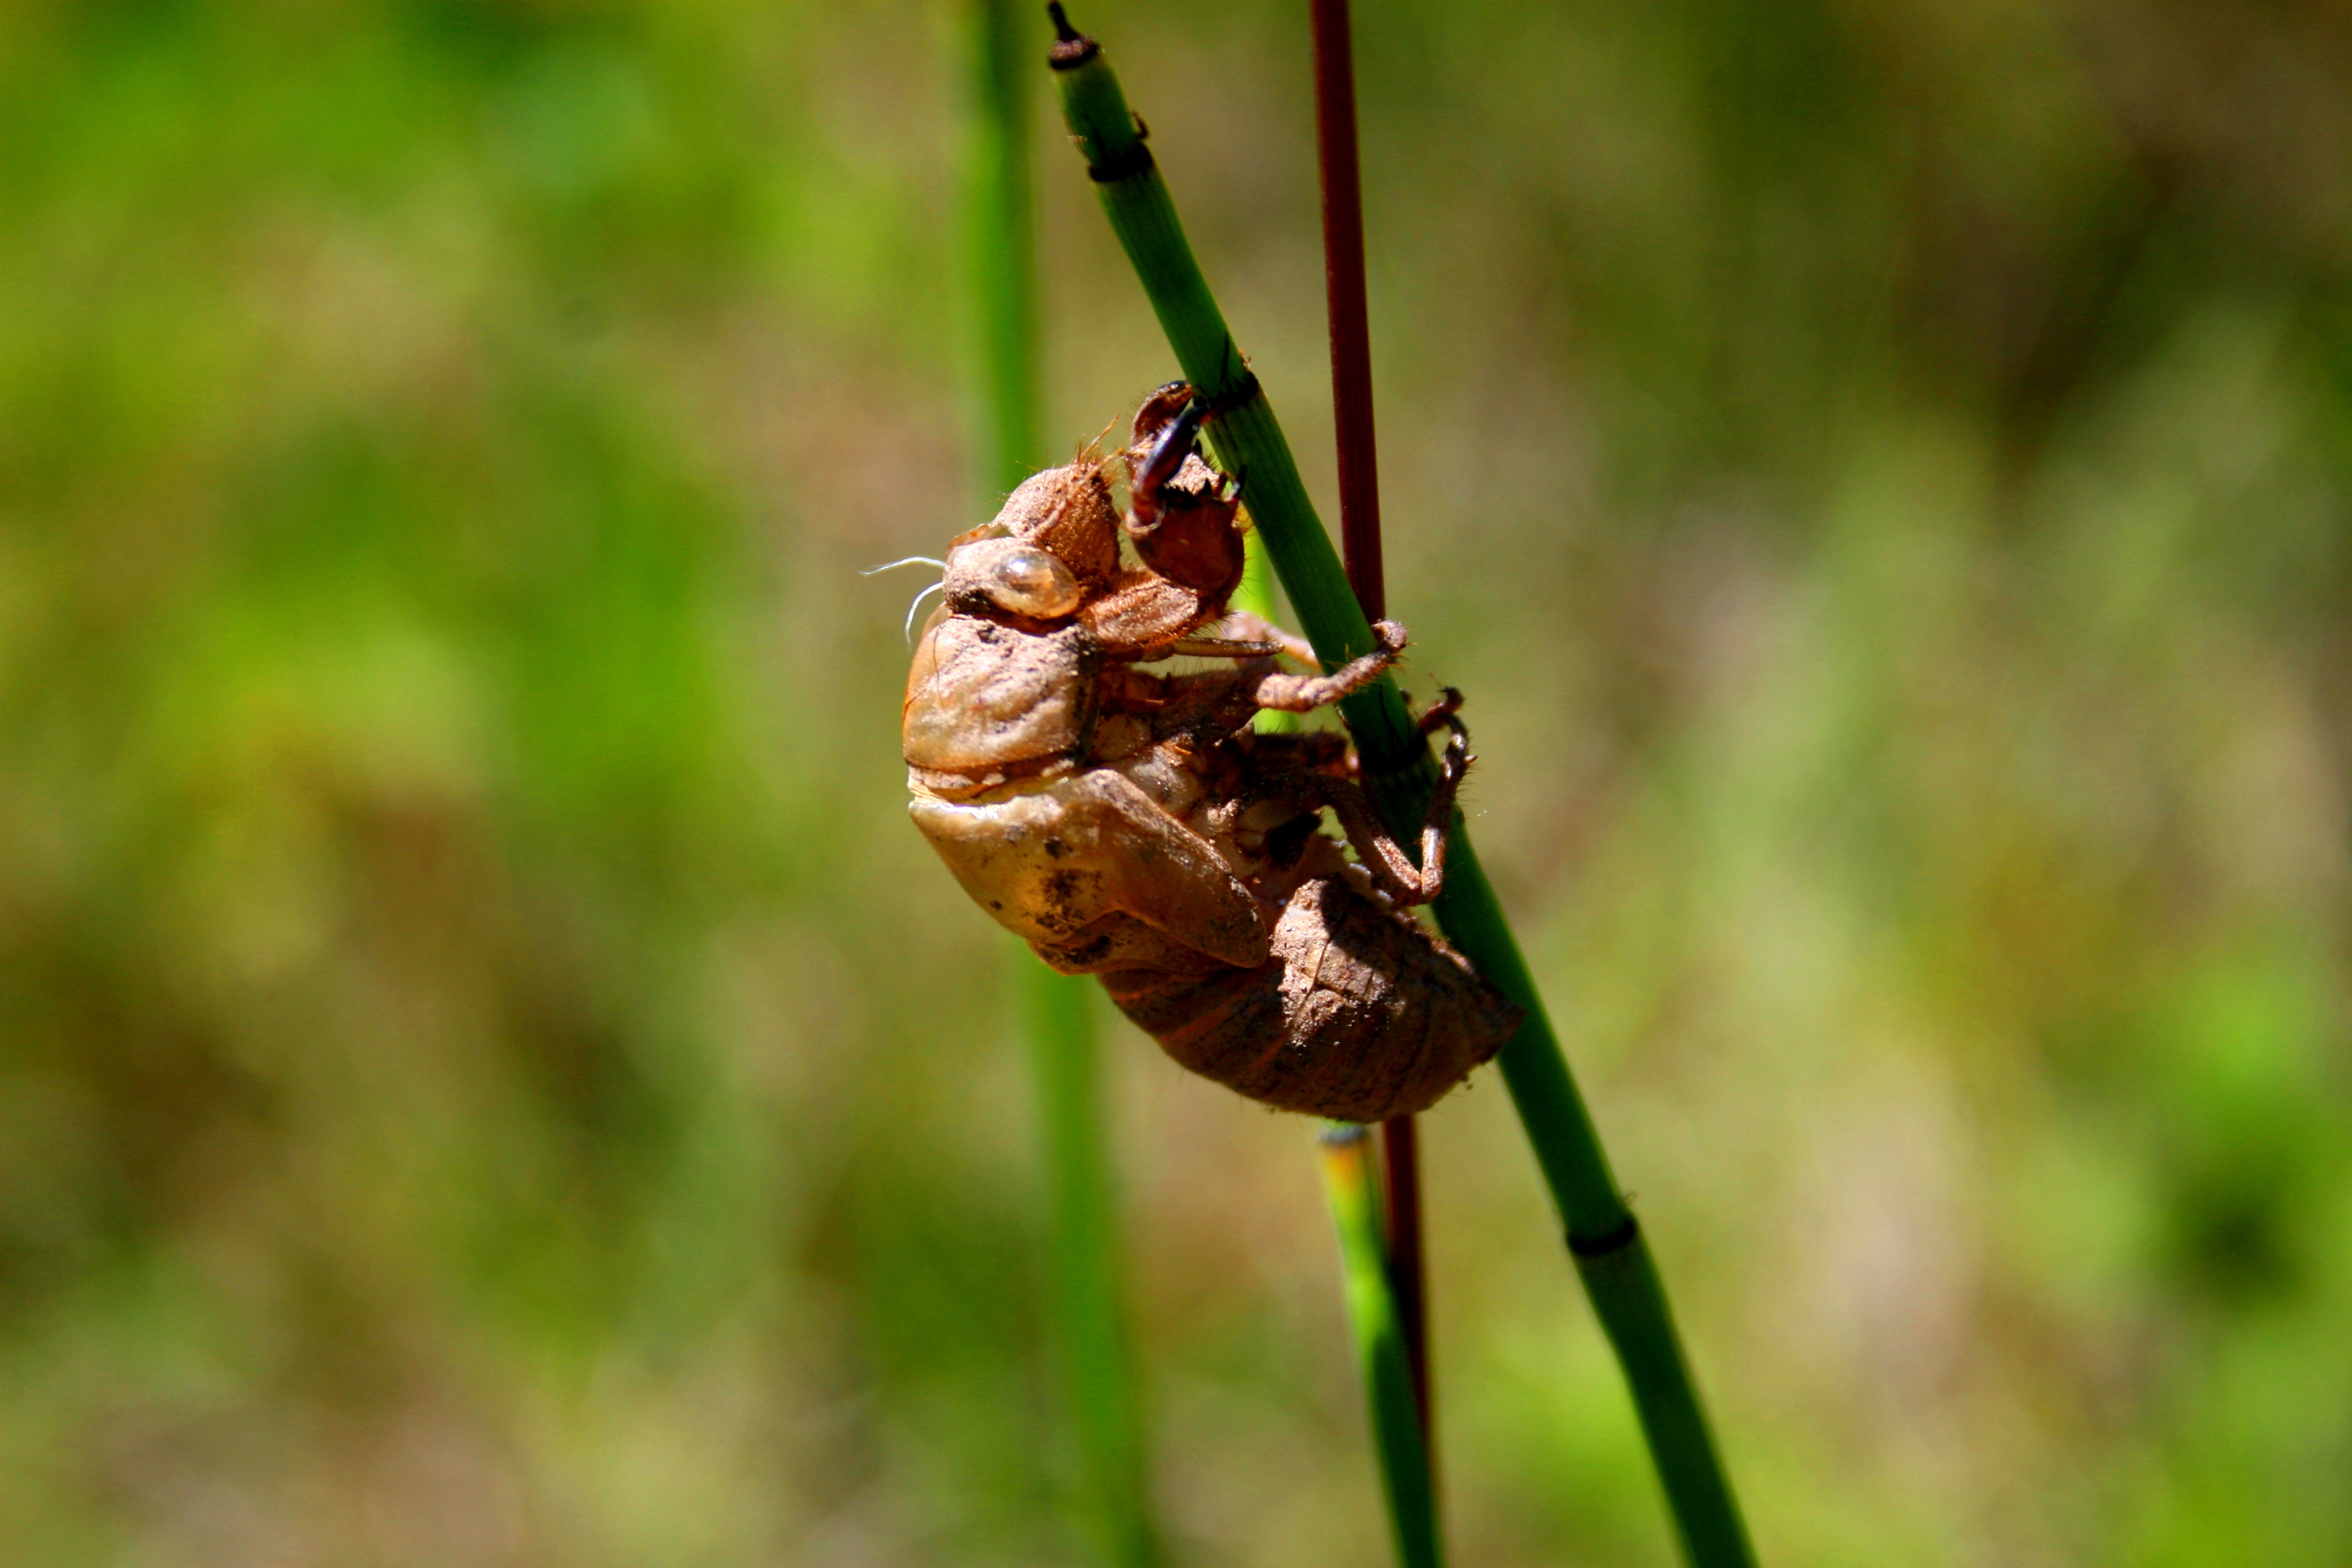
[(1343, 281), (1408, 1275), (1360, 541)]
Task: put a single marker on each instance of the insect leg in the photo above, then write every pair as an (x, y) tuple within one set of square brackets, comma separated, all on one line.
[(1210, 703), (1440, 714), (1157, 410), (1382, 856), (1245, 626), (1298, 694), (1227, 648), (1168, 454)]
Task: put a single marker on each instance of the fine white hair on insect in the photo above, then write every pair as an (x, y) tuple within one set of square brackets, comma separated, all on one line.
[(909, 561), (929, 589)]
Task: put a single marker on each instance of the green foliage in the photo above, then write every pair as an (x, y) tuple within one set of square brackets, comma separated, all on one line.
[(486, 1074)]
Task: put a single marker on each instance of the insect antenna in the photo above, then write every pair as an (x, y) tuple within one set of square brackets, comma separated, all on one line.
[(929, 589), (927, 593)]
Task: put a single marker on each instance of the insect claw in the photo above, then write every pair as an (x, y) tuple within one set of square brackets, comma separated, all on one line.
[(1173, 444), (1158, 411), (1440, 714)]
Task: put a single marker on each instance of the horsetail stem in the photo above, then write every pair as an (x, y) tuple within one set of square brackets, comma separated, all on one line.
[(1376, 1316), (1087, 1304), (1612, 1255), (1354, 1194)]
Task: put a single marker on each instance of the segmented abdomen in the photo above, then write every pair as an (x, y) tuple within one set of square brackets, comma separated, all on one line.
[(1361, 1013)]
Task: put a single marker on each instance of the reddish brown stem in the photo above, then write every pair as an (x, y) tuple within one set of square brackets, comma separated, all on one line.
[(1401, 1185), (1360, 541), (1343, 281)]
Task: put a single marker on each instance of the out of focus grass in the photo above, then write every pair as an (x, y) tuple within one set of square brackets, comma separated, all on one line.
[(486, 1074)]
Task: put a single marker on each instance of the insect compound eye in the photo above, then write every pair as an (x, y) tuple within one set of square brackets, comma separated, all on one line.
[(1031, 582), (1016, 578)]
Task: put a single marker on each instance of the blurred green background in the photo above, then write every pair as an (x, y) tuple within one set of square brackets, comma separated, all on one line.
[(489, 1076)]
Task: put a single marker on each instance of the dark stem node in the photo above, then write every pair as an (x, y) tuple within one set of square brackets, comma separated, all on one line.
[(1072, 49), (1601, 1245), (1133, 160)]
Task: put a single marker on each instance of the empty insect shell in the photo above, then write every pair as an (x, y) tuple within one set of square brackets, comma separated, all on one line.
[(1360, 1015)]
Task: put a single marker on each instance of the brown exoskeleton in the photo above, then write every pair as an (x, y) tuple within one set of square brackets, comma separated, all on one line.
[(1130, 824)]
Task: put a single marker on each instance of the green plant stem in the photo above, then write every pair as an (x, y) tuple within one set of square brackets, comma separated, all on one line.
[(1349, 1182), (1376, 1311), (1611, 1255), (1000, 248), (1055, 1014), (1089, 1307)]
